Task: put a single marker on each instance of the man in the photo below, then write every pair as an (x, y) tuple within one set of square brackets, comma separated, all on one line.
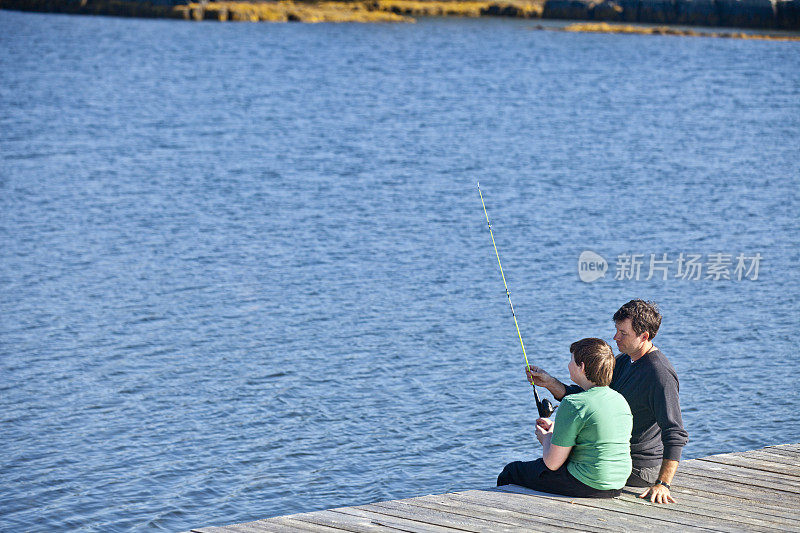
[(649, 383)]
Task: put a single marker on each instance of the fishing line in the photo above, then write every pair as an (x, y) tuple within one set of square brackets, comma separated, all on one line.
[(545, 407)]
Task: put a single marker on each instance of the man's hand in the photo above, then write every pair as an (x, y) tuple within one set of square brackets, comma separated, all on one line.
[(658, 494)]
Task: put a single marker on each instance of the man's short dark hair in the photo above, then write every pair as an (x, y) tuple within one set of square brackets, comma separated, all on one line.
[(644, 317), (597, 358)]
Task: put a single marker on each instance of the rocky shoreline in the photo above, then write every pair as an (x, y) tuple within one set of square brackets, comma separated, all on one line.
[(604, 27), (772, 14), (760, 14)]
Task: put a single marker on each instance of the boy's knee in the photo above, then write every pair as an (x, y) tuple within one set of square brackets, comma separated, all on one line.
[(507, 477)]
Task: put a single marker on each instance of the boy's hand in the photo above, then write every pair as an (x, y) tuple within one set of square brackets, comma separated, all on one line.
[(539, 377), (544, 430)]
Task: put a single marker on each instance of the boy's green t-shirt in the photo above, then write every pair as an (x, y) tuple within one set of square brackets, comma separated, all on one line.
[(597, 423)]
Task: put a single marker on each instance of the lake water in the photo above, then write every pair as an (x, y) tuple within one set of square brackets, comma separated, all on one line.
[(245, 271)]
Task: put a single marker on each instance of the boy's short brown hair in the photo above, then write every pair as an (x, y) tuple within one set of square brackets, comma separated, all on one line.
[(597, 358)]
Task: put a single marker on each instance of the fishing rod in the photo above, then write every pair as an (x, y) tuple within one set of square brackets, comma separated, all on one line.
[(545, 407)]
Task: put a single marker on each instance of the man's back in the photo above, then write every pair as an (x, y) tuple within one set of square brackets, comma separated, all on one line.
[(650, 386)]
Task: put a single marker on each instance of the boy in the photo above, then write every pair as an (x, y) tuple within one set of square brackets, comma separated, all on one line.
[(586, 451)]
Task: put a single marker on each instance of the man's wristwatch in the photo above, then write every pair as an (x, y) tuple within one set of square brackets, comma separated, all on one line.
[(659, 482)]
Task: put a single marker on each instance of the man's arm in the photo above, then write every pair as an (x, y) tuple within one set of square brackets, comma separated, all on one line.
[(673, 436), (658, 492)]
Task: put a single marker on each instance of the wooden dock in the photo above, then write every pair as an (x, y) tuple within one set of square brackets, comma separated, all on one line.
[(757, 490)]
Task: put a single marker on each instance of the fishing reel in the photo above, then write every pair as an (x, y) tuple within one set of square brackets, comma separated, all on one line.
[(545, 407)]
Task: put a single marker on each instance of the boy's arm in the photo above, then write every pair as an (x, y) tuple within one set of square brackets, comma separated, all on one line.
[(553, 455)]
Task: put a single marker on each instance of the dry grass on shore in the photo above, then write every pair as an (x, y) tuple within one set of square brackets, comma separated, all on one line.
[(290, 10), (287, 11), (364, 11), (455, 8)]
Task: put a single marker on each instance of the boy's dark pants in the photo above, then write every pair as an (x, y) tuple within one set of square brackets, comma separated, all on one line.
[(535, 475)]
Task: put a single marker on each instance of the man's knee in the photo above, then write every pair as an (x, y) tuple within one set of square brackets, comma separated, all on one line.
[(643, 476)]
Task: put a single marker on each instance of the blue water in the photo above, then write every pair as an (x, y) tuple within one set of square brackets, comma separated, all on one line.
[(244, 269)]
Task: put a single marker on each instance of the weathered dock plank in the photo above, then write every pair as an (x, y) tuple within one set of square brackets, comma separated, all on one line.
[(520, 499), (741, 491), (768, 480), (444, 519), (698, 516), (744, 484), (362, 520), (450, 504), (764, 465), (788, 449), (709, 483), (766, 457)]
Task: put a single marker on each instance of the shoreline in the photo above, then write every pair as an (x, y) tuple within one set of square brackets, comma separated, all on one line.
[(365, 11), (753, 14), (628, 29)]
